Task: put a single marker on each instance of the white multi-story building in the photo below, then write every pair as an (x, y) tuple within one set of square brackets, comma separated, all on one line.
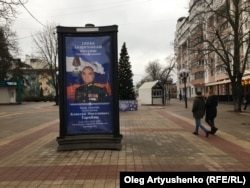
[(207, 70)]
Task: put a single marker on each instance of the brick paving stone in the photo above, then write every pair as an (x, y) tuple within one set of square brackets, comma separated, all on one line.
[(155, 138)]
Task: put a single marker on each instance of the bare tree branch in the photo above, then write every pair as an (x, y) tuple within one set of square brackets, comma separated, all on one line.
[(47, 50), (221, 33), (8, 10)]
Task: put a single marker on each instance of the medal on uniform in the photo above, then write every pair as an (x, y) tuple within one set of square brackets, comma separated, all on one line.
[(76, 64)]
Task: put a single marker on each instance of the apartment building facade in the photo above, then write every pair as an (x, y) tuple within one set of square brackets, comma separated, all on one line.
[(206, 70)]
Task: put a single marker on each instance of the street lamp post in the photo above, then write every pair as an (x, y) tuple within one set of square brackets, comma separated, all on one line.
[(183, 75)]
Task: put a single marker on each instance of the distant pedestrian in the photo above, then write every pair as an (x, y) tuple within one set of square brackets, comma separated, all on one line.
[(180, 96), (247, 100), (211, 111), (198, 110)]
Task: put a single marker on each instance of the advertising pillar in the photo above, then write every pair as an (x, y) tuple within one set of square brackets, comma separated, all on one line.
[(88, 88)]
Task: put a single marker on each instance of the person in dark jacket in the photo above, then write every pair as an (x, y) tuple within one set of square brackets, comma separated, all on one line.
[(198, 110), (211, 111), (90, 91), (247, 100)]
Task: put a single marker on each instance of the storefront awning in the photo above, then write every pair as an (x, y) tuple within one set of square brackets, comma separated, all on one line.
[(218, 83), (225, 81), (246, 77)]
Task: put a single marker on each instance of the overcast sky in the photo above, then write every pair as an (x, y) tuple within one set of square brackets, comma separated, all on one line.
[(147, 26)]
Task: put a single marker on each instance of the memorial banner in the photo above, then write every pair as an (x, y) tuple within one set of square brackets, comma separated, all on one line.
[(88, 88), (89, 93)]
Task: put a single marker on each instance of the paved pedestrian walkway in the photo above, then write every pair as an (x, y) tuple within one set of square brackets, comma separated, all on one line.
[(155, 138)]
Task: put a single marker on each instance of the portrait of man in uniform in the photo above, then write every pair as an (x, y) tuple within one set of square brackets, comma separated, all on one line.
[(90, 91)]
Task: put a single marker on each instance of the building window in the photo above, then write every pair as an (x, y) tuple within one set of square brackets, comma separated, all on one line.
[(157, 93), (212, 73), (199, 75)]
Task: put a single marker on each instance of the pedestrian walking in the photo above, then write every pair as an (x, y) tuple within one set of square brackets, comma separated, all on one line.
[(198, 110), (180, 96), (247, 100), (211, 111)]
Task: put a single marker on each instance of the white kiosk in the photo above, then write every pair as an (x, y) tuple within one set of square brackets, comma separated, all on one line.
[(152, 93), (10, 92)]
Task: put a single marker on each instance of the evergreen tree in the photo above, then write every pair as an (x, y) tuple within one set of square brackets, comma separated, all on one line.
[(5, 56), (17, 71), (126, 87)]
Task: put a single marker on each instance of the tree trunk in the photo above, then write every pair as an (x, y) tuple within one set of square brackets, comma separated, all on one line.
[(237, 96)]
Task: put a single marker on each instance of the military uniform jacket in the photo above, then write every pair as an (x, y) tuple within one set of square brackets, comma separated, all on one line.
[(90, 93)]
